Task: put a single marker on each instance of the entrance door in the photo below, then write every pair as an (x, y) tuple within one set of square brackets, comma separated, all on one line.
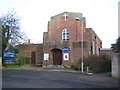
[(57, 56), (33, 57)]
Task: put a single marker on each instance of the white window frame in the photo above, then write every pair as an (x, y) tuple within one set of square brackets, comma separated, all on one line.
[(65, 34)]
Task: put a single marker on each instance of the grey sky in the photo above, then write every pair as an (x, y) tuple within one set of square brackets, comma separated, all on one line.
[(101, 15)]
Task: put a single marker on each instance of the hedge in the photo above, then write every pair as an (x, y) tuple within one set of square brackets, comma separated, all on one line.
[(95, 63)]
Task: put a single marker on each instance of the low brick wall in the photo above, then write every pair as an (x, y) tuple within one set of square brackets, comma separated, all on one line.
[(115, 66)]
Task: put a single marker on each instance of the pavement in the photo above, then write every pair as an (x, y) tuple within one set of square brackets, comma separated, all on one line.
[(31, 67)]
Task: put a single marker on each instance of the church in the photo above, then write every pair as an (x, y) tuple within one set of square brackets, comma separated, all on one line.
[(67, 39)]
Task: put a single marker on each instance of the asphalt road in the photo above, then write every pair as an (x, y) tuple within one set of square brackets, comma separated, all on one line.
[(55, 79)]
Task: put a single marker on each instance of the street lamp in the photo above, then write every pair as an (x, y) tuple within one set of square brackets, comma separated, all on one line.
[(81, 20), (82, 66)]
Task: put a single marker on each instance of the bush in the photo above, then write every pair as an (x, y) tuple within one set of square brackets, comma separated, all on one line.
[(98, 63), (75, 65), (18, 62), (22, 60)]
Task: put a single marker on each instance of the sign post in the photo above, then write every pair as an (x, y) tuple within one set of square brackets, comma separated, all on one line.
[(66, 56), (66, 51), (46, 58), (8, 57)]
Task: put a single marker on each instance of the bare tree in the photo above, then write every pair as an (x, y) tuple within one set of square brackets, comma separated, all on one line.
[(11, 33)]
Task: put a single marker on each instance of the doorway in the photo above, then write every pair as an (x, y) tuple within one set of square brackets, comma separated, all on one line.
[(57, 56)]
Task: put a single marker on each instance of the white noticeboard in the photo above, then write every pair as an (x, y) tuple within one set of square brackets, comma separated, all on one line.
[(66, 56), (46, 56)]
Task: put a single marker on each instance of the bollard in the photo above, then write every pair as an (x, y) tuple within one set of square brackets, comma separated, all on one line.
[(88, 71)]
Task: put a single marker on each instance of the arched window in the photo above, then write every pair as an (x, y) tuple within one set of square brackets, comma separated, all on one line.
[(65, 34)]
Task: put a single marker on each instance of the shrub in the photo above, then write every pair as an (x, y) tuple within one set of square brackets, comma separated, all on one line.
[(22, 60), (98, 63), (18, 62), (75, 65)]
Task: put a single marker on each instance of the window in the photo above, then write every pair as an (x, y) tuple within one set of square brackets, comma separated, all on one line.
[(65, 34)]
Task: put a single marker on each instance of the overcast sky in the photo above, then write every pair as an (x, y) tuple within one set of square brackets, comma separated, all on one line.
[(101, 15)]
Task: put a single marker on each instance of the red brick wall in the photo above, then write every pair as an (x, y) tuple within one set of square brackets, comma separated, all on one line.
[(57, 25), (25, 50), (39, 54), (106, 52)]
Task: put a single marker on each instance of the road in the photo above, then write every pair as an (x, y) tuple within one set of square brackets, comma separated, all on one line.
[(55, 79)]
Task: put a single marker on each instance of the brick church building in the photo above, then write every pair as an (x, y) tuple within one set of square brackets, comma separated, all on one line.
[(66, 36)]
